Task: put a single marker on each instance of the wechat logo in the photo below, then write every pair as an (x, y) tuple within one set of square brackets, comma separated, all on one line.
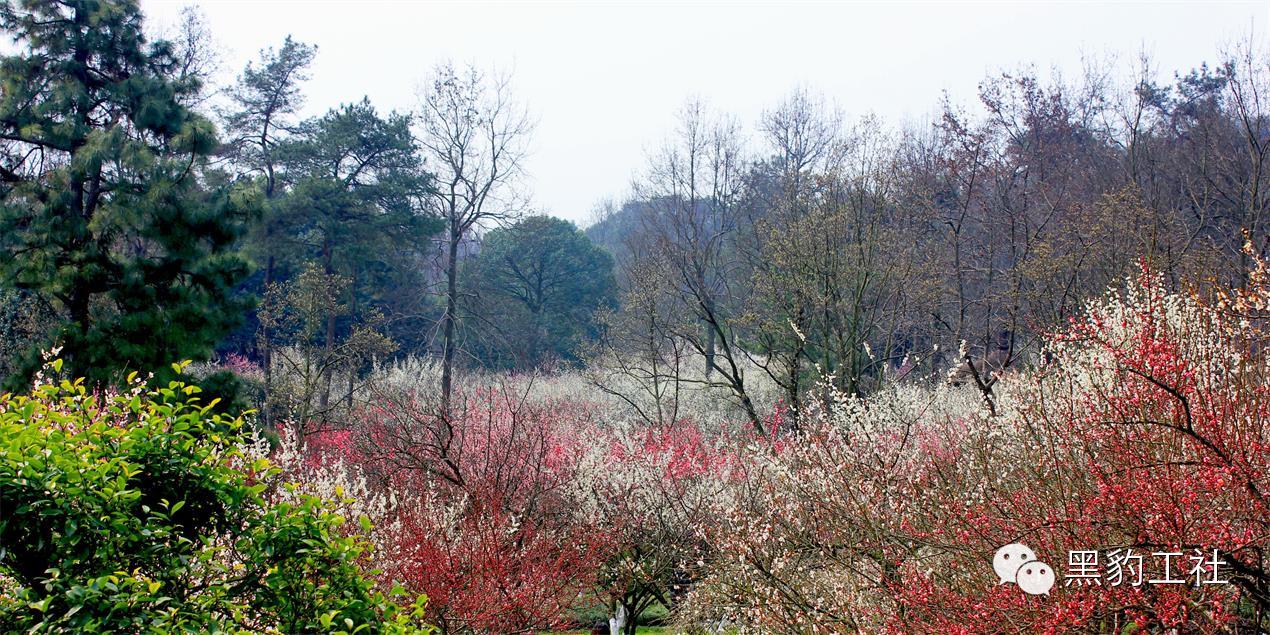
[(1016, 563)]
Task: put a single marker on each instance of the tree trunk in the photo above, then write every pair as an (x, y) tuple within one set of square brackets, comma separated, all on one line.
[(266, 353), (617, 622), (710, 345), (354, 365), (750, 411), (451, 305), (80, 296), (266, 344), (329, 346), (793, 391)]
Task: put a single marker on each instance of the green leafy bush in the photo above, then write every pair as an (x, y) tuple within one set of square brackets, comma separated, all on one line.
[(147, 512)]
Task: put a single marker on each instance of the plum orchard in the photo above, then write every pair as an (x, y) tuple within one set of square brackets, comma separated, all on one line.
[(1145, 428), (1142, 426)]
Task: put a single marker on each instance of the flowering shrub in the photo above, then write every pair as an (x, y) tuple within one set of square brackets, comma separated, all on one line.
[(521, 506), (651, 488), (806, 537), (1145, 431), (144, 512), (474, 507)]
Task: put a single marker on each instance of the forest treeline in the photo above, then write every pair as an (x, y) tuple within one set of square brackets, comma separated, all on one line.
[(858, 251), (149, 216)]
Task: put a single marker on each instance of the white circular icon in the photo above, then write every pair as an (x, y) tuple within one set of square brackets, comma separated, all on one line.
[(1007, 560), (1035, 578)]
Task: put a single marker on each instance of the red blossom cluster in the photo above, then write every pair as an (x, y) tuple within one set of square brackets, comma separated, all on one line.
[(1146, 431), (482, 517), (512, 514)]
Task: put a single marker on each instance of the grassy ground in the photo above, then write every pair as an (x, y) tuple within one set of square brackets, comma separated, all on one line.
[(655, 614)]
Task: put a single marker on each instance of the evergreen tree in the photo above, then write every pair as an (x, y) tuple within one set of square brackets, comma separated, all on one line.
[(356, 183), (262, 116), (108, 211), (539, 285), (355, 204)]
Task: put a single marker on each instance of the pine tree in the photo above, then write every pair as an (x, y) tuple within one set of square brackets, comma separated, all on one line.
[(108, 212), (355, 203), (262, 115)]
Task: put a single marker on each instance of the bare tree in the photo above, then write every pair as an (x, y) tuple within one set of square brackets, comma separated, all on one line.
[(197, 54), (834, 280), (801, 138), (687, 238), (473, 135), (1247, 72), (804, 136)]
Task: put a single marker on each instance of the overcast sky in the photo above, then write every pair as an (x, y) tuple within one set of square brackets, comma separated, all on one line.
[(604, 81)]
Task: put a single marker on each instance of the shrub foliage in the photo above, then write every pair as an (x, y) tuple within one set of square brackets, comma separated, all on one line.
[(145, 512)]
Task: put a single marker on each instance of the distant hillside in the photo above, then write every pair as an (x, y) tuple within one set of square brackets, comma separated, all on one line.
[(615, 227), (611, 230)]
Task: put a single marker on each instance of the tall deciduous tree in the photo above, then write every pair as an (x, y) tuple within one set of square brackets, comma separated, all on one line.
[(686, 242), (473, 136), (107, 210)]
